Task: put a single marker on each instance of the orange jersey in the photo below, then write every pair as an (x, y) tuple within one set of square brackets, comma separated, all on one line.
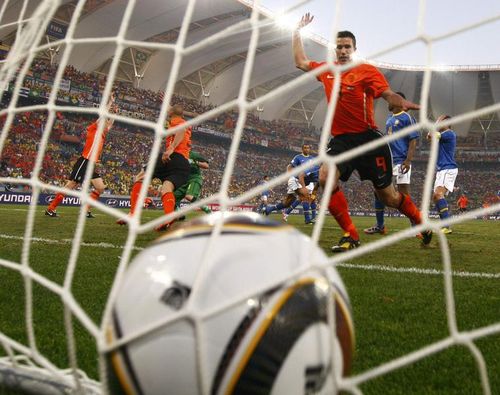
[(463, 202), (92, 143), (359, 86), (184, 147)]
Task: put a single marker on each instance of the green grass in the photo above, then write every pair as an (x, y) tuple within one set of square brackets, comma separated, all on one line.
[(395, 313)]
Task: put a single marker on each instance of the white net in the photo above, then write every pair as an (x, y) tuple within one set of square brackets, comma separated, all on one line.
[(23, 366)]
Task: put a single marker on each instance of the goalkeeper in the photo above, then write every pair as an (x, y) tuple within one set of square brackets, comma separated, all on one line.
[(191, 190)]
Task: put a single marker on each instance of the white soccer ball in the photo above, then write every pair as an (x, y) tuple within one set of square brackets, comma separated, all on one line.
[(249, 315)]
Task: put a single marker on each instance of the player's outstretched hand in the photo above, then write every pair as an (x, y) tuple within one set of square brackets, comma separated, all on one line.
[(305, 20), (408, 105)]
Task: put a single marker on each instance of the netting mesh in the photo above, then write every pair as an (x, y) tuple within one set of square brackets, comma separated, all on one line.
[(30, 30)]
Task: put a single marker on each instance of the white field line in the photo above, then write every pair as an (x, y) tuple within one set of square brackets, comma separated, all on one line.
[(67, 241), (432, 272), (381, 268)]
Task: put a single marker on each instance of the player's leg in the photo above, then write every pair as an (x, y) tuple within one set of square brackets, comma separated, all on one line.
[(441, 205), (99, 187), (445, 182), (379, 227), (337, 206), (312, 198), (287, 201), (376, 166), (51, 210), (292, 207), (179, 194), (193, 192), (392, 198), (173, 174), (134, 195), (136, 190), (303, 195), (76, 177)]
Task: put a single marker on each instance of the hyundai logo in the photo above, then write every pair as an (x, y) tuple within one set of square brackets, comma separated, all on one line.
[(112, 202), (49, 198)]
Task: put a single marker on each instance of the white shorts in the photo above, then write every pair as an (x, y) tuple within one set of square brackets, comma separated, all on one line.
[(310, 187), (293, 185), (401, 178), (446, 178)]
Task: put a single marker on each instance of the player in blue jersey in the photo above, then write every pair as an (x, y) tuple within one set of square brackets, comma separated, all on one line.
[(403, 151), (310, 178), (264, 196), (295, 187), (446, 169)]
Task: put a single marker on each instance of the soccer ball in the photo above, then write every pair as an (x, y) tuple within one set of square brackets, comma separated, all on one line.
[(249, 315)]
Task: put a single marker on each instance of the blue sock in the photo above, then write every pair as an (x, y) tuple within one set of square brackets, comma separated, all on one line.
[(307, 212), (292, 207), (313, 210), (274, 207), (379, 213), (442, 208)]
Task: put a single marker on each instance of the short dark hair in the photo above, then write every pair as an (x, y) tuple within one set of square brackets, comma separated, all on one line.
[(401, 94), (347, 34)]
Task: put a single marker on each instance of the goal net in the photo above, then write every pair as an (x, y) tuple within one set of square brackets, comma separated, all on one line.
[(24, 365)]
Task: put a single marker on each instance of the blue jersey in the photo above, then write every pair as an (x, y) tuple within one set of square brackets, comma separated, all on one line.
[(299, 159), (266, 192), (446, 153), (312, 174), (395, 123)]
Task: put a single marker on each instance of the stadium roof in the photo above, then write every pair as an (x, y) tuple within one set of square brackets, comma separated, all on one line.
[(212, 73)]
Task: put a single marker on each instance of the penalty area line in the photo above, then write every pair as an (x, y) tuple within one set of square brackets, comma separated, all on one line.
[(68, 241), (416, 270)]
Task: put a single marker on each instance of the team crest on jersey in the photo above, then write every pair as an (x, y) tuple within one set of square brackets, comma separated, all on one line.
[(397, 122)]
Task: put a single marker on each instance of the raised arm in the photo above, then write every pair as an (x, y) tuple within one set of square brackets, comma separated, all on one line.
[(299, 54)]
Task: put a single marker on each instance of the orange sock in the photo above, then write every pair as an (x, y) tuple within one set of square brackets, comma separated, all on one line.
[(58, 199), (168, 200), (339, 209), (134, 195), (95, 196), (408, 208)]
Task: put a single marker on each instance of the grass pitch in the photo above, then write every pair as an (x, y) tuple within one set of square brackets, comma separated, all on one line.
[(397, 294)]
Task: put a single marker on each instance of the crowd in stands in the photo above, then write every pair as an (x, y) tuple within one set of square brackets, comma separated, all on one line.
[(85, 89), (127, 148)]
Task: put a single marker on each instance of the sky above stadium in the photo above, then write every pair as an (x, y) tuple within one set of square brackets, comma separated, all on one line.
[(380, 24)]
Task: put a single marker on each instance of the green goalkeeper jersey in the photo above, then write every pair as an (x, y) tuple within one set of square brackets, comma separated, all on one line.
[(194, 158)]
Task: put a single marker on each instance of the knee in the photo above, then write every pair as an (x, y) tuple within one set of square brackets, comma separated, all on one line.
[(390, 199)]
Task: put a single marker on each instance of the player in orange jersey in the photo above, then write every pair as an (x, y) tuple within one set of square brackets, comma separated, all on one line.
[(172, 166), (462, 203), (91, 152), (354, 125)]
